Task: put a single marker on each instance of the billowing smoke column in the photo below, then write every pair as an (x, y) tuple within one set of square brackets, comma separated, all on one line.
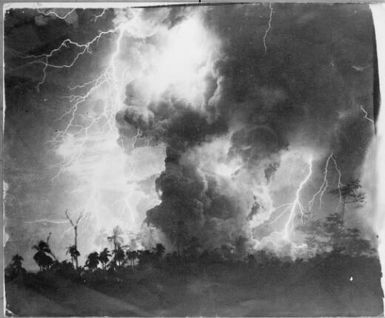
[(245, 125)]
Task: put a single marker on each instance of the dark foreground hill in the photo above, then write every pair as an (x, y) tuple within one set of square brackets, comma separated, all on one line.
[(328, 285)]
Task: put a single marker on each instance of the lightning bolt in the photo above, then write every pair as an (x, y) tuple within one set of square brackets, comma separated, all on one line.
[(324, 184), (87, 139), (366, 115), (287, 207), (55, 14), (83, 129), (83, 48), (46, 221), (297, 204), (339, 183), (268, 27), (108, 78), (96, 17)]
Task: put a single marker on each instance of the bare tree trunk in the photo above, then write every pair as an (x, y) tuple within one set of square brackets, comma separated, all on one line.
[(76, 246), (75, 226)]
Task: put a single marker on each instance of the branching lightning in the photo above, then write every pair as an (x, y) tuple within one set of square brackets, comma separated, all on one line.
[(298, 207), (339, 183), (79, 126), (108, 77), (268, 26), (84, 48), (83, 128), (88, 143), (55, 14), (297, 204), (46, 221), (324, 185), (96, 17)]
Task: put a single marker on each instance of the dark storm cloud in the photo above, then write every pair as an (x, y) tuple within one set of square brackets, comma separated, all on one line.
[(305, 89), (194, 207), (173, 122), (308, 67)]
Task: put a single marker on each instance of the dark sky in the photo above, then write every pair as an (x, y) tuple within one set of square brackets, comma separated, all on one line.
[(268, 98)]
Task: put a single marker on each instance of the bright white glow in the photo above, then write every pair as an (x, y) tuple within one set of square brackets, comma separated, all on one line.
[(212, 158), (183, 62), (378, 11), (110, 181)]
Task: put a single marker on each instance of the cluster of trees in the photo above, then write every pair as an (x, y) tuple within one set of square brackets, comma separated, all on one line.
[(331, 233), (107, 260), (321, 236), (324, 236)]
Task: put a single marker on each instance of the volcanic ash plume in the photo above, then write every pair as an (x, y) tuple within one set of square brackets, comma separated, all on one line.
[(204, 93)]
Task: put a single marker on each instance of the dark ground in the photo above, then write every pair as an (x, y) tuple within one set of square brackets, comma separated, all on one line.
[(321, 286)]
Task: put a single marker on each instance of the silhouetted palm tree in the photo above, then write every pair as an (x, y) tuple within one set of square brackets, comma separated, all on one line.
[(43, 247), (104, 257), (118, 256), (92, 260), (42, 258), (116, 237), (74, 253)]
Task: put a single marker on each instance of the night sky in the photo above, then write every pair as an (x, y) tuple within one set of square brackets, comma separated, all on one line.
[(186, 121)]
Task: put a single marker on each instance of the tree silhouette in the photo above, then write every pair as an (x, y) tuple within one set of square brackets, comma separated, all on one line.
[(17, 261), (118, 256), (75, 227), (104, 257), (315, 236), (92, 261), (349, 193), (63, 267), (334, 229), (146, 257), (74, 253), (355, 245), (116, 237), (15, 268), (330, 234), (132, 256), (159, 250), (41, 257)]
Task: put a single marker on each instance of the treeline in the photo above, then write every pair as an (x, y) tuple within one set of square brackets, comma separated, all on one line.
[(321, 236), (343, 278)]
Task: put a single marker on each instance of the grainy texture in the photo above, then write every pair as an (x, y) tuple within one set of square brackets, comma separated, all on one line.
[(191, 160)]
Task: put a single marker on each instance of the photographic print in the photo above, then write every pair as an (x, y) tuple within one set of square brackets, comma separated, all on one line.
[(191, 160)]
